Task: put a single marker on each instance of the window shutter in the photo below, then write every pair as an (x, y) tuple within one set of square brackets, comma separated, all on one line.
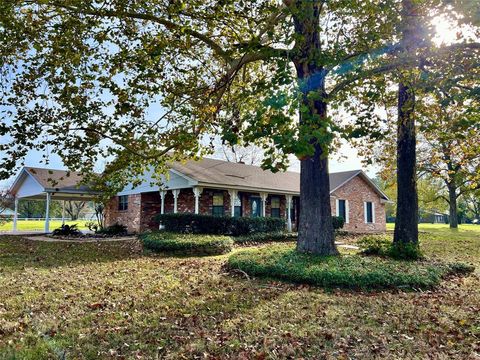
[(365, 211), (373, 212), (337, 207)]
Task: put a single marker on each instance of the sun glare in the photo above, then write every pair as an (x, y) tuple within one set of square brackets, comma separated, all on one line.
[(445, 31)]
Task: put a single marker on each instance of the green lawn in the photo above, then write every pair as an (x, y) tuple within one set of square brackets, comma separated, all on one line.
[(110, 300), (39, 225)]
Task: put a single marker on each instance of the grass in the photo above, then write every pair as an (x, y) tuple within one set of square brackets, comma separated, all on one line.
[(39, 225), (111, 300), (346, 271)]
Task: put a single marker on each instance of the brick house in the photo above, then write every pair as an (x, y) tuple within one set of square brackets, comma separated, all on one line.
[(209, 185), (216, 187)]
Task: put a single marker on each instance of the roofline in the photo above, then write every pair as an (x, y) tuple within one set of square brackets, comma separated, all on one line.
[(186, 177), (248, 188), (17, 179), (367, 179)]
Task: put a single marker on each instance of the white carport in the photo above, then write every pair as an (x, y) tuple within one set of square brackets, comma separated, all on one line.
[(48, 185)]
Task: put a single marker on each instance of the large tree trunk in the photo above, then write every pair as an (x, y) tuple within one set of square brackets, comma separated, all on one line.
[(452, 202), (315, 233), (406, 223)]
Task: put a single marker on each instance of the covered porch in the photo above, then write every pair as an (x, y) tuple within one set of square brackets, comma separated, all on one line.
[(41, 184)]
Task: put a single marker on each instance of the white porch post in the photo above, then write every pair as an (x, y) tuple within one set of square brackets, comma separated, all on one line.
[(175, 197), (47, 213), (15, 214), (63, 212), (289, 212), (162, 206), (263, 196), (162, 201), (233, 195), (197, 192)]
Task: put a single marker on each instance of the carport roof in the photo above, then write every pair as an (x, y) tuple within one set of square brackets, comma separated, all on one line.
[(34, 183)]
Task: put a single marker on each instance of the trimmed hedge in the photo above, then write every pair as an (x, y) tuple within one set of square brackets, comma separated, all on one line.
[(226, 225), (186, 244), (282, 262), (219, 225), (266, 237)]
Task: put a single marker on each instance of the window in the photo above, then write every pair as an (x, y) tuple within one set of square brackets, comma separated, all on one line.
[(369, 214), (123, 202), (342, 209), (237, 203), (275, 206), (218, 208)]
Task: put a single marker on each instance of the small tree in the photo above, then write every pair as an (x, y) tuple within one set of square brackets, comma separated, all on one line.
[(449, 146), (74, 208), (6, 202)]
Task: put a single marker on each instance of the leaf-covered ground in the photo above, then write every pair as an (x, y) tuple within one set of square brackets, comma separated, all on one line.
[(101, 301)]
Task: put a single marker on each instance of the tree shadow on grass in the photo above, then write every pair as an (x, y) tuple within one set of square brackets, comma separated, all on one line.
[(17, 253), (156, 306)]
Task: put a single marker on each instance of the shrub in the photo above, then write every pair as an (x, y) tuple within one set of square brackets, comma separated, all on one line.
[(266, 237), (220, 225), (403, 251), (383, 246), (348, 271), (113, 230), (338, 222), (374, 244), (67, 230), (186, 244)]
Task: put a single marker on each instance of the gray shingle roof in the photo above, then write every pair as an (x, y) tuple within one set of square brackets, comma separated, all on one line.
[(211, 172), (57, 179), (220, 172)]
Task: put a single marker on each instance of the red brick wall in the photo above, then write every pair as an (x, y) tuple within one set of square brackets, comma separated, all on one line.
[(130, 217), (357, 191), (142, 208)]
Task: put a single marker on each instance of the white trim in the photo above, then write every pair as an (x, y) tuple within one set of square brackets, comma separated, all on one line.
[(23, 171), (337, 207), (367, 179), (347, 212)]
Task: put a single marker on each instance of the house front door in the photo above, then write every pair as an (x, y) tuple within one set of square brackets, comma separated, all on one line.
[(255, 207)]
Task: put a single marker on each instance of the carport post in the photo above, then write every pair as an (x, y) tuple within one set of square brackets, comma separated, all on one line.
[(63, 212), (15, 214), (47, 213)]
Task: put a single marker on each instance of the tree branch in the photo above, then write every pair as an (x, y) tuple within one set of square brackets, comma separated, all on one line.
[(170, 25)]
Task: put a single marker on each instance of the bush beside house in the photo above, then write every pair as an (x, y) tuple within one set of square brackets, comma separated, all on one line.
[(226, 225), (187, 244)]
